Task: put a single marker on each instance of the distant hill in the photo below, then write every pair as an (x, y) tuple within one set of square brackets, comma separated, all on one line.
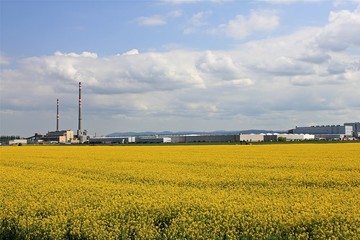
[(167, 133)]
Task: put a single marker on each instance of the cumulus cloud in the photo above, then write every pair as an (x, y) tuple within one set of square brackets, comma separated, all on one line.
[(314, 56), (218, 66), (285, 66), (243, 26), (83, 54), (131, 52), (342, 31)]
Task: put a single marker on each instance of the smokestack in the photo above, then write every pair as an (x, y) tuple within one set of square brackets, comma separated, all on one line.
[(57, 115), (79, 128)]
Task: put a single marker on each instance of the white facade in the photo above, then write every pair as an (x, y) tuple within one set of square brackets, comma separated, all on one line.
[(297, 137), (17, 141), (252, 137)]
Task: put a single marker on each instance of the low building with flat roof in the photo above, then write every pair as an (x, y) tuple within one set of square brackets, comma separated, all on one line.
[(63, 136)]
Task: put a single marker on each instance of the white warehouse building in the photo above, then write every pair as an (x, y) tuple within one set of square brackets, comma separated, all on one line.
[(252, 137), (297, 137)]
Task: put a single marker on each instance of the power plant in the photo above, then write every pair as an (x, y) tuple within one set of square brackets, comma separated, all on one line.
[(63, 136)]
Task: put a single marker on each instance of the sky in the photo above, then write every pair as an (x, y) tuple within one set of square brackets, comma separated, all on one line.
[(178, 65)]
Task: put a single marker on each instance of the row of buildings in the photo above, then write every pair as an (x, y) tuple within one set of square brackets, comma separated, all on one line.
[(203, 138), (348, 131)]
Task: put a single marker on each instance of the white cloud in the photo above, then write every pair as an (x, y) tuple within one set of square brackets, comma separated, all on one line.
[(341, 32), (175, 14), (4, 60), (83, 54), (193, 1), (155, 20), (289, 1), (219, 67), (180, 1), (158, 20), (130, 52), (243, 26), (338, 3), (197, 21)]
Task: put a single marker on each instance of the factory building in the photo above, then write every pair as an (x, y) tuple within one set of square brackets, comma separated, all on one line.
[(111, 140), (63, 136), (230, 138), (326, 132), (296, 137), (152, 139), (127, 140), (355, 128), (252, 137), (270, 137), (204, 138), (274, 137), (17, 142)]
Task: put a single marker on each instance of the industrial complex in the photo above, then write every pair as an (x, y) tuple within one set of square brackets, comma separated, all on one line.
[(63, 136), (347, 131)]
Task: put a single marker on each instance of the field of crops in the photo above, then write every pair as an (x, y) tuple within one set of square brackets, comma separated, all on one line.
[(297, 191)]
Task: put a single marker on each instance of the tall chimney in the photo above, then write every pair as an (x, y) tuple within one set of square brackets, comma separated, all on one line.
[(57, 115), (79, 127)]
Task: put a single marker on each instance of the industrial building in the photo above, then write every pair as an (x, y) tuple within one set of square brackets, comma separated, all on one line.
[(127, 140), (329, 131), (204, 138), (111, 140), (251, 137), (152, 139), (355, 128), (166, 139), (17, 142), (63, 136), (274, 137), (296, 137)]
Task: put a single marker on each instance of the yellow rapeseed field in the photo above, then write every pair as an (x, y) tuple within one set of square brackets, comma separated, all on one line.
[(295, 191)]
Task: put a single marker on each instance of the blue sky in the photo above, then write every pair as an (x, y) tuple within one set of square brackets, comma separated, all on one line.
[(108, 27), (179, 65)]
